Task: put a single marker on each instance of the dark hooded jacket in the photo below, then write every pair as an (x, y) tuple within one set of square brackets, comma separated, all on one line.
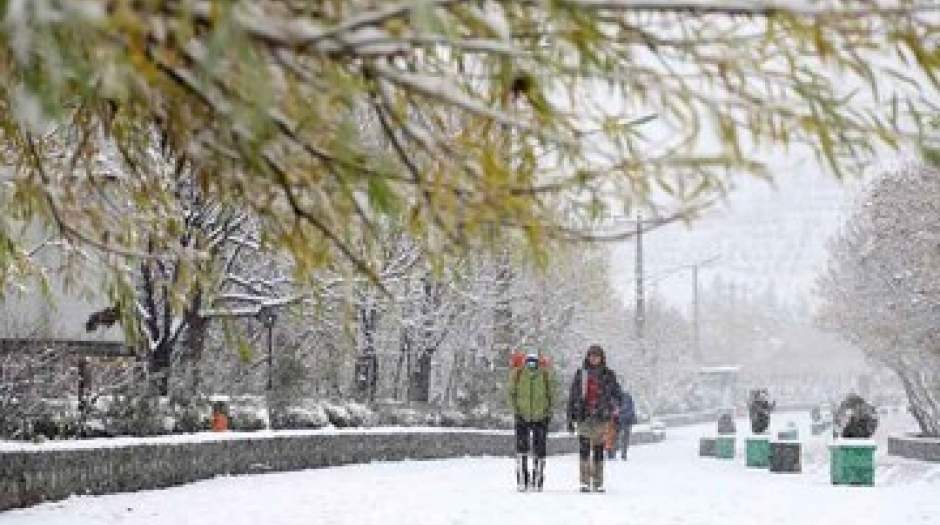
[(627, 410), (609, 396)]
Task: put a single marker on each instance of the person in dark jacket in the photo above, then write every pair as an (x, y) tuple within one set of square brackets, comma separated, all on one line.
[(627, 420), (593, 402)]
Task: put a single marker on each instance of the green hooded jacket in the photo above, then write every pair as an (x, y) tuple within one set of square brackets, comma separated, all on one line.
[(531, 393)]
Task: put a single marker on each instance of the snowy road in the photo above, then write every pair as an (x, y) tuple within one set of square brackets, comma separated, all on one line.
[(660, 484)]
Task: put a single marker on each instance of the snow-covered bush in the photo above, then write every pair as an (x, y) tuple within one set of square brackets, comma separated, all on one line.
[(479, 414), (138, 416), (193, 416), (400, 416), (307, 414), (453, 418), (855, 418), (54, 419), (31, 381), (95, 427), (360, 415), (759, 408), (338, 414), (503, 420), (431, 419), (248, 413)]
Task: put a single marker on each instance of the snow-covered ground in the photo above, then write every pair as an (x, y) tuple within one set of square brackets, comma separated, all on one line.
[(664, 483)]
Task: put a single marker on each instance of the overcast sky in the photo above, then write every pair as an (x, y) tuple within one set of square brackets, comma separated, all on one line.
[(763, 234)]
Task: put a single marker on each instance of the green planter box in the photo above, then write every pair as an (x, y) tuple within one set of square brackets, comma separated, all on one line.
[(724, 447), (852, 462), (757, 451)]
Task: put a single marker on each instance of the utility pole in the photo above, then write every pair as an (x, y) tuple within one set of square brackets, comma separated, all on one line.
[(696, 317), (696, 336), (639, 319), (640, 293)]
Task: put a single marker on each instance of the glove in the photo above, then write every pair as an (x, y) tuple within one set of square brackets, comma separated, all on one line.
[(571, 427)]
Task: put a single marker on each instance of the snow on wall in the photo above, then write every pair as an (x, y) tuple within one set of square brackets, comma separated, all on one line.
[(30, 476)]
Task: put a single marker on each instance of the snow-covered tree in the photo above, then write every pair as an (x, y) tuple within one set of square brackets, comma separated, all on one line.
[(495, 114), (194, 259), (881, 288), (664, 368)]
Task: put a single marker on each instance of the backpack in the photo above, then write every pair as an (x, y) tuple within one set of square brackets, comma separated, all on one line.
[(517, 360)]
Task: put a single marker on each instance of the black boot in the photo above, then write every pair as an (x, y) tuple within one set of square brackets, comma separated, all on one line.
[(522, 472), (538, 474)]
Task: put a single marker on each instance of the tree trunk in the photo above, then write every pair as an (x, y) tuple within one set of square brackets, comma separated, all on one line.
[(405, 349), (333, 389), (420, 388), (159, 369), (921, 405), (502, 313), (452, 378), (198, 326), (367, 365)]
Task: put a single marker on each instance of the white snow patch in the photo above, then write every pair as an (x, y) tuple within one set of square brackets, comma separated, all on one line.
[(199, 437), (660, 484), (848, 442)]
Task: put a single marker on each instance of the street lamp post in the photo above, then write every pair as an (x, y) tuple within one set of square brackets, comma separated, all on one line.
[(267, 316)]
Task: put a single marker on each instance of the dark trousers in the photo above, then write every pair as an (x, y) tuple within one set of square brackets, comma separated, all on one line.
[(586, 450), (625, 439), (534, 430)]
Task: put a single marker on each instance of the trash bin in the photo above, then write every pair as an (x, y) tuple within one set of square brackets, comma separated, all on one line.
[(757, 451), (706, 447), (852, 462), (724, 446), (785, 456)]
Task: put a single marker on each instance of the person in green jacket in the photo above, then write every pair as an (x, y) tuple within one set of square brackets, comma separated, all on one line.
[(532, 398)]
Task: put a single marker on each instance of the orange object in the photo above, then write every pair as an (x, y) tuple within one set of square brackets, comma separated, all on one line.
[(517, 360), (219, 422), (610, 435)]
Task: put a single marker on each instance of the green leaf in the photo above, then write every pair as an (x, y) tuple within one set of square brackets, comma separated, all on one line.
[(245, 352), (930, 155), (381, 196)]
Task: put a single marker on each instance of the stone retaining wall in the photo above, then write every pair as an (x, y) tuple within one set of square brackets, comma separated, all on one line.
[(925, 449), (695, 418), (711, 416), (34, 476)]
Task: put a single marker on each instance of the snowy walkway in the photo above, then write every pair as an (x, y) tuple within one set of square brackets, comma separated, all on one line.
[(661, 484)]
